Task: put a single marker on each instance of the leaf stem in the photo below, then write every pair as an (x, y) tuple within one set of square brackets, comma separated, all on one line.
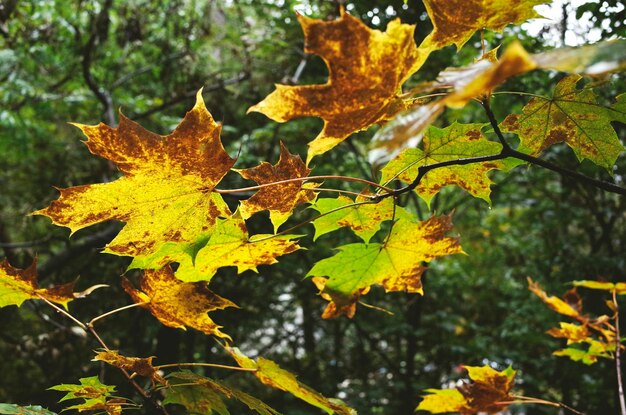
[(108, 313), (526, 399), (215, 365), (64, 312)]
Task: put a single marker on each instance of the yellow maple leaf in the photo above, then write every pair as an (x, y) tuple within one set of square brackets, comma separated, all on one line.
[(280, 199), (366, 70), (140, 365), (18, 285), (178, 304), (165, 194)]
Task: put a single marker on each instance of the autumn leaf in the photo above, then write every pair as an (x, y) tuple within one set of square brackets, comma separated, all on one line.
[(574, 333), (279, 199), (203, 396), (18, 285), (454, 142), (464, 84), (590, 355), (229, 245), (11, 409), (178, 304), (571, 116), (140, 365), (455, 21), (363, 218), (270, 374), (395, 264), (165, 193), (619, 288), (601, 58), (96, 396), (485, 394), (366, 70), (555, 303)]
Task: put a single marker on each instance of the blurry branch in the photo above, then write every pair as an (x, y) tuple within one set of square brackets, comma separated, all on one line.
[(25, 244), (129, 76), (99, 28), (219, 85), (59, 260)]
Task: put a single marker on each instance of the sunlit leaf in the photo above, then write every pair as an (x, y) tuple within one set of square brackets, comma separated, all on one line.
[(18, 285), (571, 116), (96, 396), (574, 333), (366, 70), (455, 21), (165, 194), (229, 245), (620, 287), (454, 142), (487, 393), (395, 264), (598, 59), (269, 373), (279, 200), (363, 219), (11, 409), (178, 304), (555, 303)]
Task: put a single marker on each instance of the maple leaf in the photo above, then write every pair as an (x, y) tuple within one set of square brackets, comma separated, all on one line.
[(229, 245), (11, 409), (619, 288), (18, 285), (454, 142), (96, 396), (279, 199), (455, 21), (395, 264), (178, 304), (269, 373), (364, 218), (570, 116), (366, 70), (570, 309), (165, 194), (140, 365), (202, 396), (487, 392)]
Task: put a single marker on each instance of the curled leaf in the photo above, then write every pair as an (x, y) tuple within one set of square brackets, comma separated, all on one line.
[(178, 304), (140, 365)]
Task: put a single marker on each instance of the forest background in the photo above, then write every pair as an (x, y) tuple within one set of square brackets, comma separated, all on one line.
[(81, 61)]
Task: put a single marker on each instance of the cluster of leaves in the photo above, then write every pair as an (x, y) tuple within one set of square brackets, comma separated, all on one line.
[(174, 212)]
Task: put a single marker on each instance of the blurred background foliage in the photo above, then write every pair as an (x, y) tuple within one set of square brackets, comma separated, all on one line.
[(83, 60)]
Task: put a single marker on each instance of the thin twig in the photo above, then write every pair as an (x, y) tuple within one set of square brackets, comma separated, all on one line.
[(618, 362), (215, 365), (526, 399), (64, 312), (108, 313), (302, 179)]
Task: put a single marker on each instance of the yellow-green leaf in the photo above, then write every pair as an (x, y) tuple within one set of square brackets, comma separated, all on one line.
[(620, 287), (280, 200), (178, 304), (574, 333), (165, 193), (366, 70), (361, 217), (555, 303), (11, 409), (18, 285), (571, 116), (269, 373), (96, 396), (395, 264), (484, 395), (454, 142), (229, 245)]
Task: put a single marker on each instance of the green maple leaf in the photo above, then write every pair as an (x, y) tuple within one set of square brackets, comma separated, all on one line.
[(90, 390), (457, 141), (571, 116), (230, 245), (396, 264), (364, 219)]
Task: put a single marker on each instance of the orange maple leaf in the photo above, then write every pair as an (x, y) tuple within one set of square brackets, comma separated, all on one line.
[(366, 69)]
